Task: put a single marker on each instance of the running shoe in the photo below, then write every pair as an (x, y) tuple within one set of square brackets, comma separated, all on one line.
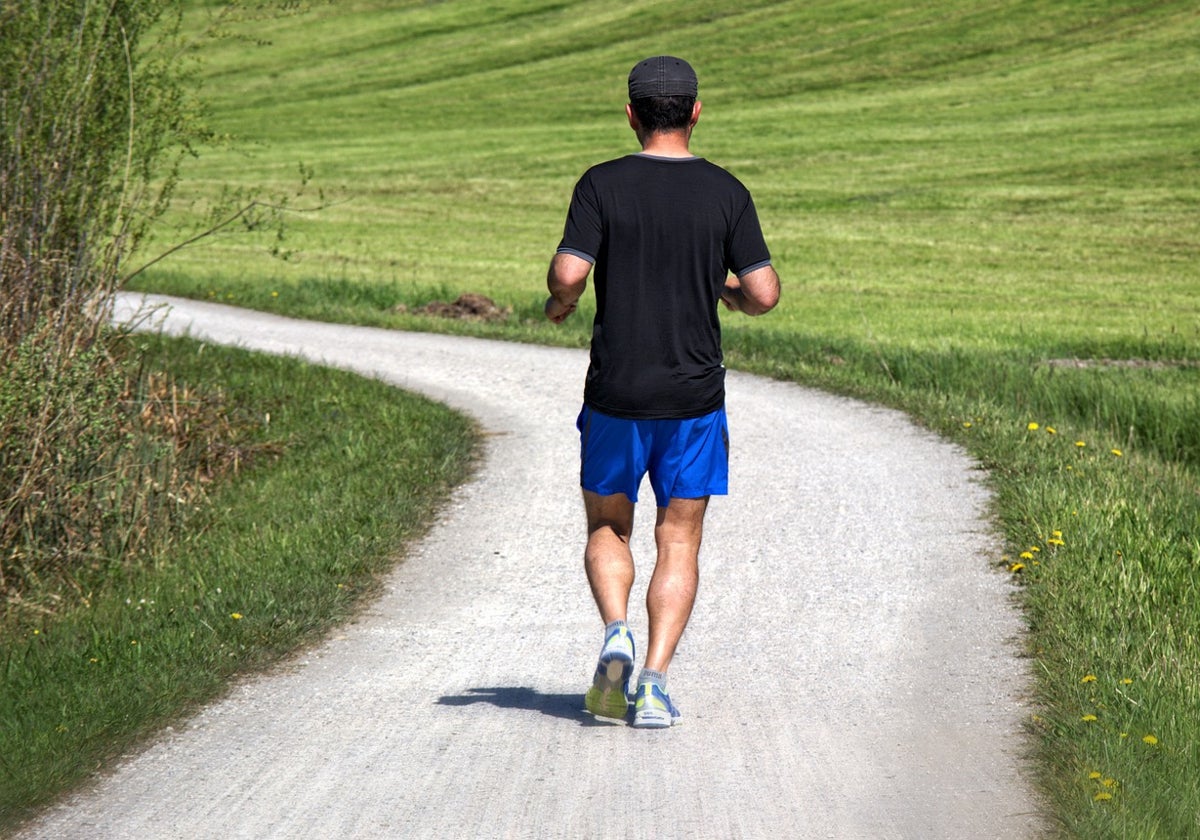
[(653, 708), (609, 694)]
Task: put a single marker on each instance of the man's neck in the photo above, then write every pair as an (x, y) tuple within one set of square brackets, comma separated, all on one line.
[(668, 144)]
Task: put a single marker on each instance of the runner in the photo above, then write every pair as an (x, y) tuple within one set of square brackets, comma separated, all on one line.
[(663, 230)]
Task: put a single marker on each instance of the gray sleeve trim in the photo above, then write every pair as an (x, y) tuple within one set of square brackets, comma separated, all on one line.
[(575, 253), (742, 272)]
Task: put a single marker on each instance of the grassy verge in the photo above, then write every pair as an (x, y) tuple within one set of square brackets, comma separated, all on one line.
[(271, 561), (959, 198)]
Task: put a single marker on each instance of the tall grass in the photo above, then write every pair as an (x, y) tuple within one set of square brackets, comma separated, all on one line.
[(984, 213)]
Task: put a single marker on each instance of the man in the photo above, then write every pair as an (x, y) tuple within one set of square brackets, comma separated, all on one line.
[(663, 230)]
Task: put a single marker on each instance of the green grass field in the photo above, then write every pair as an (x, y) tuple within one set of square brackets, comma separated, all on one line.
[(960, 198)]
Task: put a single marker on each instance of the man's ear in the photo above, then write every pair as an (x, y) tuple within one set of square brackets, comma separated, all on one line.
[(696, 113), (633, 120)]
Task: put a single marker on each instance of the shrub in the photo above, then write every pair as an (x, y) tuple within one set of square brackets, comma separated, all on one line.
[(94, 102)]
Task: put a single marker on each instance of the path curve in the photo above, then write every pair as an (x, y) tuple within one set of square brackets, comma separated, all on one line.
[(851, 669)]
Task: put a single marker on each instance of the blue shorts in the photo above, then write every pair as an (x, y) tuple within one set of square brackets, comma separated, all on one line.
[(686, 459)]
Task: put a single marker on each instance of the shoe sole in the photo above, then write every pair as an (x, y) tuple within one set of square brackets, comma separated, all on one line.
[(653, 720), (607, 696)]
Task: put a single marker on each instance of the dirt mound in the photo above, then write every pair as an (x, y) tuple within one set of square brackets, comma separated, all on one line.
[(469, 307)]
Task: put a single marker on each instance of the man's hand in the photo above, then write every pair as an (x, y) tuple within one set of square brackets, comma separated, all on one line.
[(558, 312), (731, 295)]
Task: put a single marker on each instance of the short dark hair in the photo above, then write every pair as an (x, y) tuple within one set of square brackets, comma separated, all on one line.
[(663, 113)]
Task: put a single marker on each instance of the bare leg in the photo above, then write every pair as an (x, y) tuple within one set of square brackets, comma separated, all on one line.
[(672, 590), (609, 565), (607, 559)]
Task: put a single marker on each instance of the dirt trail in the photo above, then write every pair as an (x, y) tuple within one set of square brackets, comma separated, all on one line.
[(851, 670)]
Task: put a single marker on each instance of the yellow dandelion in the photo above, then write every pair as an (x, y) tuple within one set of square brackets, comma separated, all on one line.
[(1056, 534), (1093, 775), (1090, 719), (1109, 783), (1088, 678), (1016, 567), (274, 294), (1150, 739), (1102, 796), (1026, 555), (236, 616), (1080, 444), (1033, 427), (1117, 452), (967, 424), (1055, 542), (1050, 430), (1126, 681), (1124, 735)]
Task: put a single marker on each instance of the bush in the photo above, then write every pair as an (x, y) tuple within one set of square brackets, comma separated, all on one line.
[(95, 96)]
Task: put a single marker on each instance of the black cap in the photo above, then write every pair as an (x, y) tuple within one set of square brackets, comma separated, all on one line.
[(662, 75)]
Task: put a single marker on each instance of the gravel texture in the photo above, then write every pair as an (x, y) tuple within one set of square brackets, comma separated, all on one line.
[(851, 670)]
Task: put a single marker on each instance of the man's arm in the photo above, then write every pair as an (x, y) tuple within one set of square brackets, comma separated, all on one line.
[(754, 293), (567, 281)]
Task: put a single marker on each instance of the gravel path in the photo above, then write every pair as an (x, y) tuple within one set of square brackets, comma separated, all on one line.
[(851, 669)]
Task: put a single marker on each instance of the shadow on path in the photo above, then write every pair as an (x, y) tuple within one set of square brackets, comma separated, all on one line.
[(564, 706)]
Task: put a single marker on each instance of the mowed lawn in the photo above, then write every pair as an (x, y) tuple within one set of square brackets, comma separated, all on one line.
[(985, 213), (983, 174)]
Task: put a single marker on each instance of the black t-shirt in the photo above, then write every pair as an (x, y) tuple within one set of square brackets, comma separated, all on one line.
[(663, 234)]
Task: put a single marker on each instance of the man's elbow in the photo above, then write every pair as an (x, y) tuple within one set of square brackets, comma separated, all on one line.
[(768, 301), (567, 277), (760, 290), (754, 308)]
